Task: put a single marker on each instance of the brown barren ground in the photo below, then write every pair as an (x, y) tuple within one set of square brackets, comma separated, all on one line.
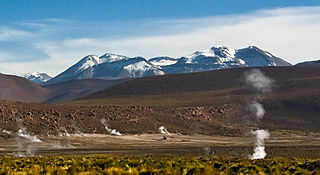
[(281, 144)]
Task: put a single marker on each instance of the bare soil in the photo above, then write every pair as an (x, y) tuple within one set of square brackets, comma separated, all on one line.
[(280, 144), (52, 119)]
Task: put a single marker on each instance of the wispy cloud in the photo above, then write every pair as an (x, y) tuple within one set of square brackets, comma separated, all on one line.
[(9, 34), (290, 33)]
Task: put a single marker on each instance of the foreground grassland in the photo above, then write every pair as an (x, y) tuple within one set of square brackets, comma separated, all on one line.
[(100, 164)]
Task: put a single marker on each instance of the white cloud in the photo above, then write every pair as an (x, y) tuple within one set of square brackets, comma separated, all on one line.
[(290, 33), (8, 34)]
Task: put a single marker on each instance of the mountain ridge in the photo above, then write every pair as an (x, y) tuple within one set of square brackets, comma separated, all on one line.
[(113, 66), (37, 77), (315, 63)]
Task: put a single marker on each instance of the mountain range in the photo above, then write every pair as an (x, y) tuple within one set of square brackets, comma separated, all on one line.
[(113, 66)]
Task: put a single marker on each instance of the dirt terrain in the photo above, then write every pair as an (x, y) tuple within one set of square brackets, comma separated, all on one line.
[(52, 119), (226, 119), (280, 144)]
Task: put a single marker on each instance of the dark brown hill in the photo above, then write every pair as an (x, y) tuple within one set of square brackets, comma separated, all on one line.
[(293, 104), (70, 90), (20, 89), (202, 81)]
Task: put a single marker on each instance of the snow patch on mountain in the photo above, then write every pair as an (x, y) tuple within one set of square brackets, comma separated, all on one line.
[(142, 68), (37, 77), (163, 61), (242, 62), (89, 61), (206, 53), (221, 52), (93, 60), (224, 53), (137, 69), (108, 58)]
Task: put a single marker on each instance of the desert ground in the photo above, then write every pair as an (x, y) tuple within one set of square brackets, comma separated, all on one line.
[(289, 144)]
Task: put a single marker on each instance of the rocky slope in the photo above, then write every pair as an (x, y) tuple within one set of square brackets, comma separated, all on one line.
[(51, 119)]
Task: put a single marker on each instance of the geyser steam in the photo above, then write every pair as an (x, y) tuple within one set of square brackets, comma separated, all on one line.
[(22, 132), (110, 131), (22, 145), (261, 84), (163, 130), (259, 152), (257, 109), (258, 81)]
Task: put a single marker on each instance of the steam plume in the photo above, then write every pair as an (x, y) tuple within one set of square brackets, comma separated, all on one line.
[(110, 131), (258, 81), (261, 84), (259, 150), (58, 145), (22, 132), (30, 148), (257, 109), (64, 133), (6, 132), (163, 130)]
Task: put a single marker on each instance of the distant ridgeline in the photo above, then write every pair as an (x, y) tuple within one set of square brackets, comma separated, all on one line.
[(112, 66)]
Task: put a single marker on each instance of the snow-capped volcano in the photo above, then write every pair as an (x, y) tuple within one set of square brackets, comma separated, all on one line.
[(253, 56), (108, 66), (250, 56), (113, 66), (37, 77), (221, 57), (223, 53), (93, 60)]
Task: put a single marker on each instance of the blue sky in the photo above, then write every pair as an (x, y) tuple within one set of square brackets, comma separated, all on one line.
[(49, 36), (101, 10)]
